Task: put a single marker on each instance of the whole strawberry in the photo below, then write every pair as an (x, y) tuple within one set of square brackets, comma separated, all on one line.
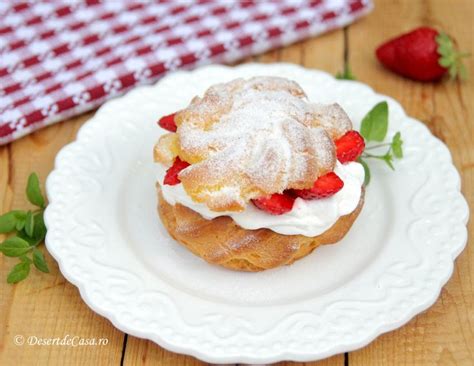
[(423, 54)]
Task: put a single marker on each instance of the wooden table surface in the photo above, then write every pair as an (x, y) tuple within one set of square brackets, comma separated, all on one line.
[(48, 306)]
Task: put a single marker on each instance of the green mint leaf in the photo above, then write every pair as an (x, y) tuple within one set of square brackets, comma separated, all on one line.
[(39, 261), (33, 191), (366, 171), (374, 125), (19, 272), (8, 222), (23, 235), (397, 143), (346, 74), (14, 247), (20, 224), (11, 220), (29, 224), (24, 258), (39, 231), (20, 215), (388, 159)]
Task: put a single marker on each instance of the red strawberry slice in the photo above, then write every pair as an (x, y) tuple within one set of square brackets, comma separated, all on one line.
[(349, 146), (325, 186), (275, 204), (167, 122), (171, 177)]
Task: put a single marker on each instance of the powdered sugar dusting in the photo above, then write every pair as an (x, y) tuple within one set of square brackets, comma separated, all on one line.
[(247, 138)]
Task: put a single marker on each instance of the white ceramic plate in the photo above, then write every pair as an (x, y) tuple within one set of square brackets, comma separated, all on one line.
[(104, 232)]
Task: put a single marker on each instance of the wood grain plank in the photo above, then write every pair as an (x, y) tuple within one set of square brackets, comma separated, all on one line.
[(444, 334), (324, 52), (143, 352), (337, 360), (45, 305)]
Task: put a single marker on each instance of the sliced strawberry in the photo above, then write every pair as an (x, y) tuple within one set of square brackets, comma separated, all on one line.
[(167, 122), (171, 177), (325, 186), (275, 204), (349, 147)]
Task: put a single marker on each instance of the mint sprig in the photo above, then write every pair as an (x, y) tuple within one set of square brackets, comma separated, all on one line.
[(374, 128), (346, 74), (451, 58), (374, 125), (28, 231), (33, 191)]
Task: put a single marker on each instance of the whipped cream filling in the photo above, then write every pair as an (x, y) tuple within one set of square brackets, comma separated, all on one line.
[(308, 217)]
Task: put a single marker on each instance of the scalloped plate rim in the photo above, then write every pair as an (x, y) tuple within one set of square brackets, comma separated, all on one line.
[(276, 356)]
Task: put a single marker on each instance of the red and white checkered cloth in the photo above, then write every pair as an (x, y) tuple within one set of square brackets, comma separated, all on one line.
[(61, 58)]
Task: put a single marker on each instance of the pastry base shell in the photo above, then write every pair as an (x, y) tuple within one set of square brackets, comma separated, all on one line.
[(221, 241)]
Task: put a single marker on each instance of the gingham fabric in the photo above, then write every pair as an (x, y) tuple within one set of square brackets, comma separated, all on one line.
[(60, 58)]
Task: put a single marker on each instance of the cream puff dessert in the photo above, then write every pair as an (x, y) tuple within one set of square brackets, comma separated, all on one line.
[(253, 176)]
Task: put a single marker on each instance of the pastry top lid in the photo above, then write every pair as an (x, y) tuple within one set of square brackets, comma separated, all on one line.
[(249, 138)]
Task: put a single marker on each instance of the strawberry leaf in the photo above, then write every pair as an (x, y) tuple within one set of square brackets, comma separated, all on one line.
[(453, 71), (445, 61), (443, 49), (444, 41), (451, 58), (462, 72)]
